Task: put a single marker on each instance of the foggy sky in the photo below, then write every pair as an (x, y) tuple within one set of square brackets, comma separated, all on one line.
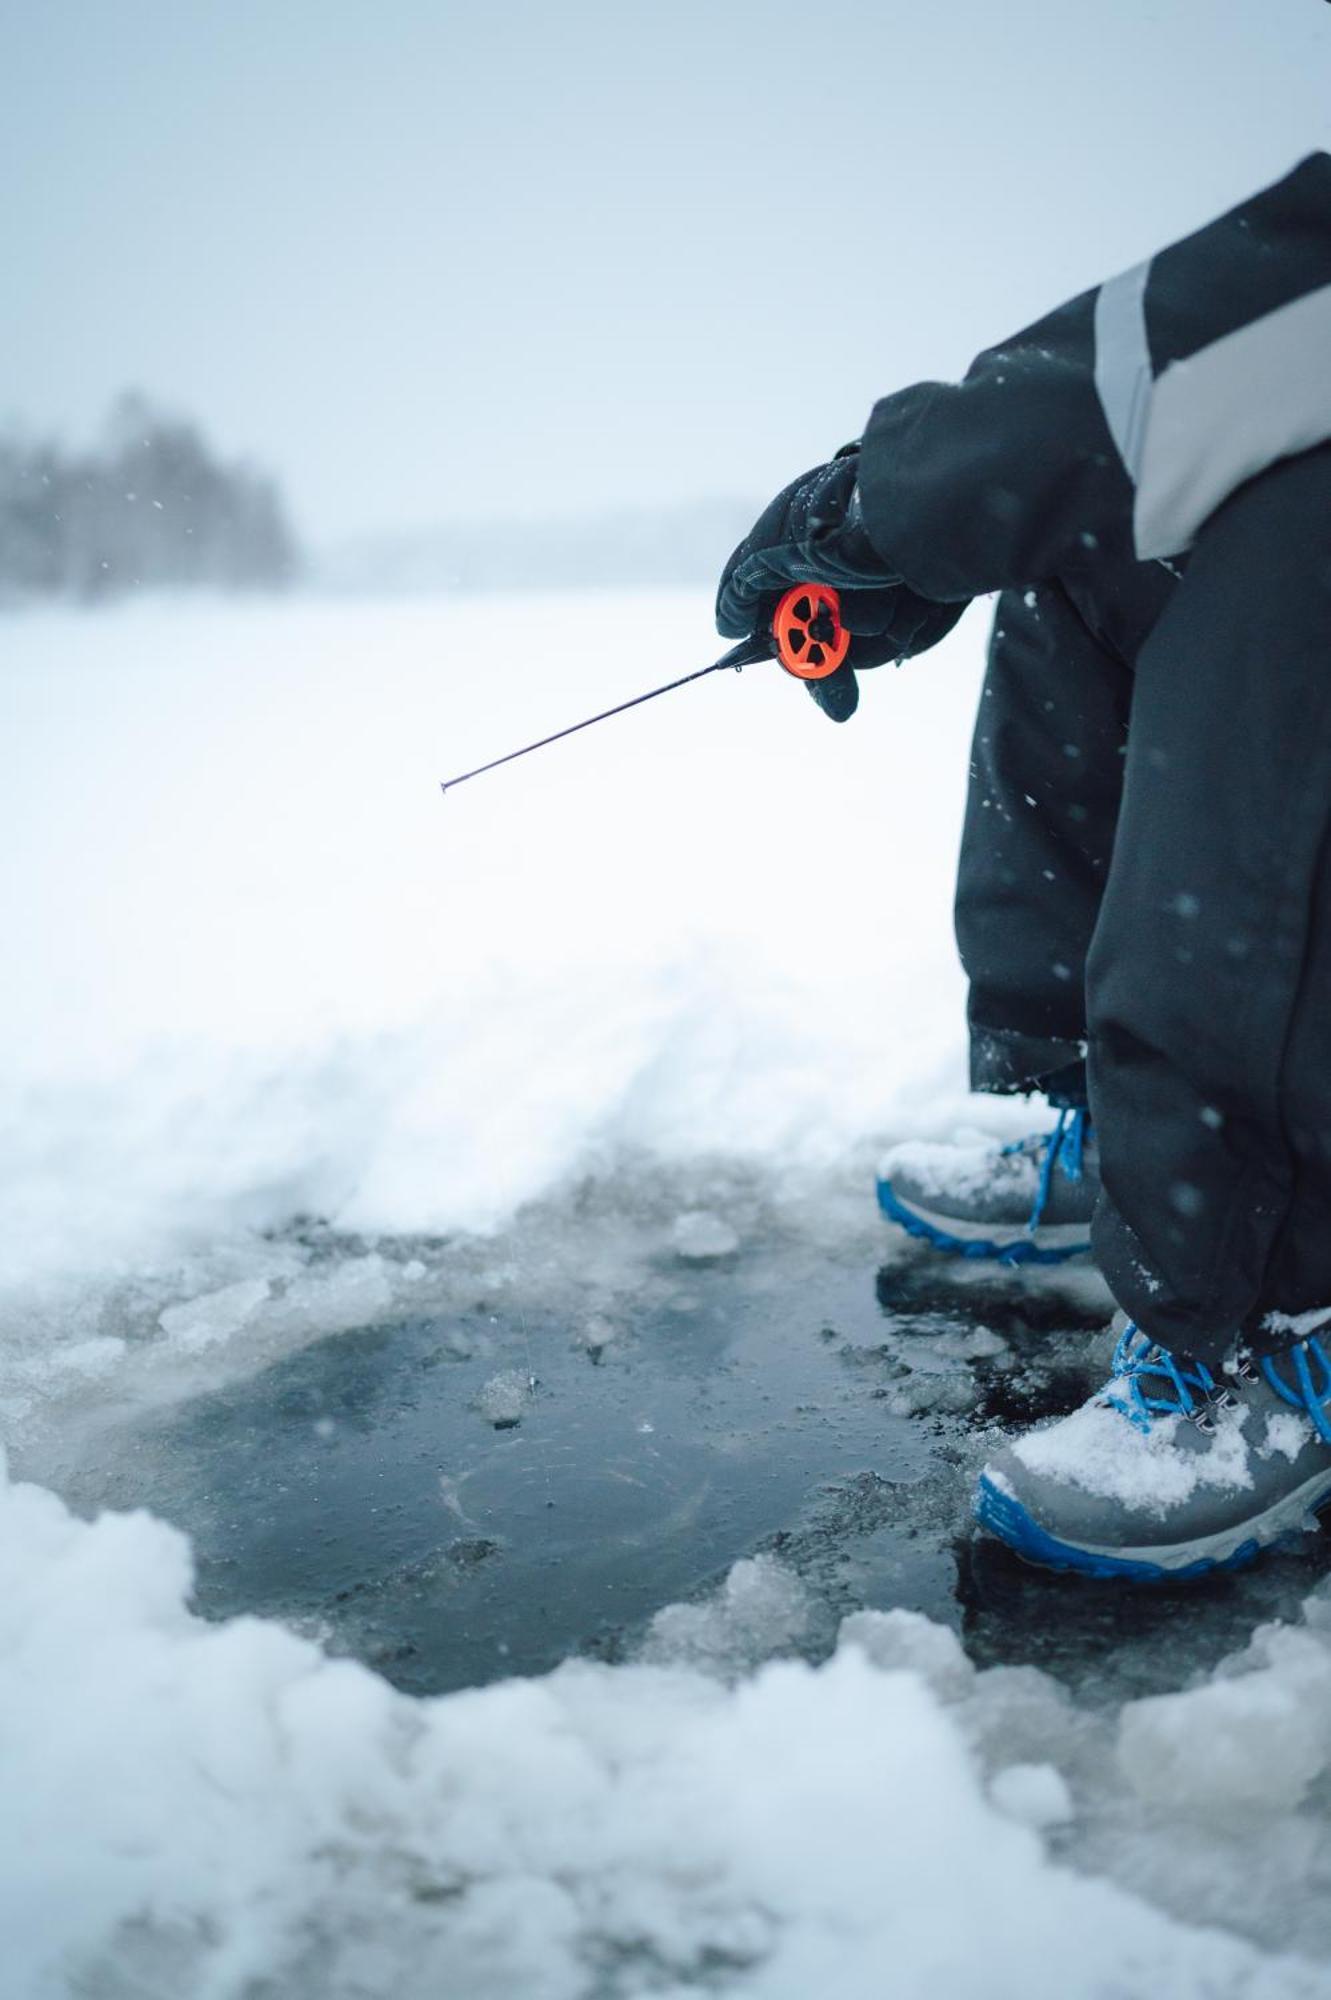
[(434, 260)]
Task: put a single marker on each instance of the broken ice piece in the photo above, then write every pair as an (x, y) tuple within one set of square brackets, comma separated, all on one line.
[(698, 1236), (213, 1316), (504, 1398), (761, 1609)]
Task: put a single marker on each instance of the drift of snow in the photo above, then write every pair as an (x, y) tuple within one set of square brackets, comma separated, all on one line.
[(226, 1809)]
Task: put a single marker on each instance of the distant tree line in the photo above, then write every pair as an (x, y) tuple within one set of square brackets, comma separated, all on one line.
[(151, 505)]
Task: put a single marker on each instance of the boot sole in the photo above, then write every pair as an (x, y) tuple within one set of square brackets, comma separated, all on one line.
[(1010, 1244), (1002, 1515)]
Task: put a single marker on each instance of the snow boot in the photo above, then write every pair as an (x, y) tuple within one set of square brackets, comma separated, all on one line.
[(1028, 1203), (1172, 1470)]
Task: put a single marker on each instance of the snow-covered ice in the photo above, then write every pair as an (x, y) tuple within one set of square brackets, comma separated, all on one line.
[(281, 1026)]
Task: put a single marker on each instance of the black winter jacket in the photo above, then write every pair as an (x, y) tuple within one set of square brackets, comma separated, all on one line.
[(1104, 435)]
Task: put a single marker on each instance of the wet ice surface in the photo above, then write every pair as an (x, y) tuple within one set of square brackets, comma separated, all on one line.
[(545, 1440), (565, 1430)]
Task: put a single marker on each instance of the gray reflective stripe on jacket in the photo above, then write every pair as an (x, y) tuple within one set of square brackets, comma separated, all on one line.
[(1123, 375), (1191, 436)]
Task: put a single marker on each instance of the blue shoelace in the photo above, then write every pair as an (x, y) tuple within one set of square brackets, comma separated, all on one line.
[(1303, 1393), (1157, 1384), (1066, 1143)]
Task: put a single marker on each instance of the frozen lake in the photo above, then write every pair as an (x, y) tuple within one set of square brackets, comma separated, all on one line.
[(452, 1223)]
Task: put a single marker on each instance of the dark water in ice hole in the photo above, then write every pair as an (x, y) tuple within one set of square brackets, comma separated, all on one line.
[(824, 1409)]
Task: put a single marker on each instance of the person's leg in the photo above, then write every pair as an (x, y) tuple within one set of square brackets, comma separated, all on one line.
[(1209, 986), (1045, 781), (1297, 1277), (1046, 773), (1209, 1002)]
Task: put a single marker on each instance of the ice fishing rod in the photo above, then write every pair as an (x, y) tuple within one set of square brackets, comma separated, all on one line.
[(807, 638)]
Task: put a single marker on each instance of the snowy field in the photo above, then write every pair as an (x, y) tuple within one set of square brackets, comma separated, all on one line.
[(258, 970)]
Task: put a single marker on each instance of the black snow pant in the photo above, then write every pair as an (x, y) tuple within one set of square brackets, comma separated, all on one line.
[(1144, 909)]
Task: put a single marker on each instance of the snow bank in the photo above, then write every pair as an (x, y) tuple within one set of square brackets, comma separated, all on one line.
[(225, 1810), (256, 963)]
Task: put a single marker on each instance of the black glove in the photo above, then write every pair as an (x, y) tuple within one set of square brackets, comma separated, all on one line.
[(813, 532)]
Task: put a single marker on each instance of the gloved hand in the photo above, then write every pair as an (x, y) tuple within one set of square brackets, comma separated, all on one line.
[(813, 533)]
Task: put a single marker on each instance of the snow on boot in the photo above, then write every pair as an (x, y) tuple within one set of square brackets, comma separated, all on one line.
[(1028, 1203), (1171, 1470)]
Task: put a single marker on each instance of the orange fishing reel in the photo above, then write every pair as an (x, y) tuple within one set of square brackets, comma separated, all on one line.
[(811, 642)]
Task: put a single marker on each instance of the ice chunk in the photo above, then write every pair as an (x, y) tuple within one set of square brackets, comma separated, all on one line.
[(504, 1398), (698, 1236), (761, 1608), (214, 1316), (354, 1293), (930, 1394), (978, 1343)]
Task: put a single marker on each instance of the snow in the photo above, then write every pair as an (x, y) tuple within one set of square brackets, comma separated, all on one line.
[(257, 970), (257, 966), (1297, 1326), (698, 1236), (963, 1166), (1250, 1743), (1287, 1433), (1100, 1451), (225, 1808), (1035, 1795)]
